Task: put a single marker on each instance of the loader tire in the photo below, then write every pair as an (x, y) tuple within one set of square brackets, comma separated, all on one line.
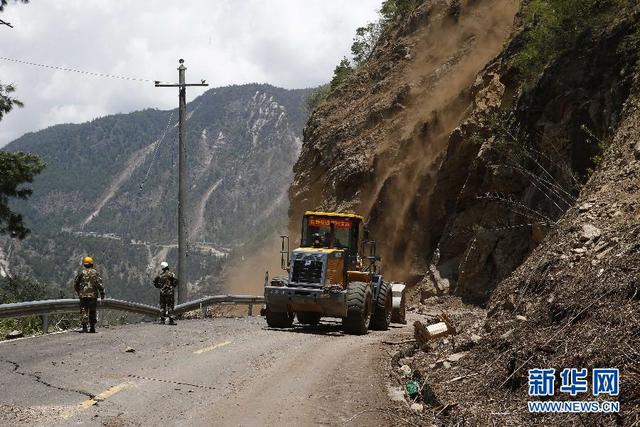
[(359, 301), (381, 316), (307, 318), (279, 319)]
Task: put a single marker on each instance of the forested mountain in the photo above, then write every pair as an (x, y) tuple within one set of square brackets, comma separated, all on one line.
[(110, 187)]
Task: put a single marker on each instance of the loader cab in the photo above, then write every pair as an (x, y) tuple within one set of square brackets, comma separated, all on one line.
[(332, 231)]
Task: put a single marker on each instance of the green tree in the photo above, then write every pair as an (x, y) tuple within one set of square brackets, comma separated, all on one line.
[(367, 37), (392, 9), (363, 45), (6, 99), (16, 169), (3, 3), (341, 72), (364, 42), (317, 97)]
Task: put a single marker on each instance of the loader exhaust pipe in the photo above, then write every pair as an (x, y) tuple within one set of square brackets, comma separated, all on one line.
[(284, 253)]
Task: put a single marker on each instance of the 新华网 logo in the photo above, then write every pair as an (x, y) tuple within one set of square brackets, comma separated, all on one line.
[(574, 382)]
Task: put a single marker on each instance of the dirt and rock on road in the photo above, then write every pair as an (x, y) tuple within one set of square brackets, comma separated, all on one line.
[(201, 372)]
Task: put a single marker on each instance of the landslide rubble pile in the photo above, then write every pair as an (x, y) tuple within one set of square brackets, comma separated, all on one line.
[(575, 302)]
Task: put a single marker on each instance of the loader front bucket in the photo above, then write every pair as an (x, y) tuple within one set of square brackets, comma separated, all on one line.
[(398, 307)]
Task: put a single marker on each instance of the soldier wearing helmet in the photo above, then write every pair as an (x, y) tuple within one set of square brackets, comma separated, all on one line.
[(88, 284), (167, 282)]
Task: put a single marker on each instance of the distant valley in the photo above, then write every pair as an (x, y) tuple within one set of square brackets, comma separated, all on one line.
[(110, 189)]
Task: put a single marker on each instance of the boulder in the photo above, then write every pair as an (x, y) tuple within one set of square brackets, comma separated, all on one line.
[(405, 370), (636, 150), (589, 233), (14, 334), (456, 356), (417, 407), (507, 334), (585, 207)]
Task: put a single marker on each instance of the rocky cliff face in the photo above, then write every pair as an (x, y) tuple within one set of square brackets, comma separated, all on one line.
[(517, 163), (375, 145), (110, 186), (574, 302), (461, 163), (579, 289), (517, 192)]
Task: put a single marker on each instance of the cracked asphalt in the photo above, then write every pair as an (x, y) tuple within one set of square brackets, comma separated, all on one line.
[(219, 372)]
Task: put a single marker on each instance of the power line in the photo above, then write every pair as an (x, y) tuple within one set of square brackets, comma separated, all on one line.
[(73, 70), (155, 152), (162, 138)]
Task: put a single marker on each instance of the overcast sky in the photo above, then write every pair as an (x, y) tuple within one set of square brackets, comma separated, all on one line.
[(287, 43)]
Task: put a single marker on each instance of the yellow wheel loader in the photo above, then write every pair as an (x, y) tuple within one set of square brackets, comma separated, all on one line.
[(334, 273)]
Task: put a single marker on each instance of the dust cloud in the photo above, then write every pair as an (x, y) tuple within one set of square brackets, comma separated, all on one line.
[(246, 275), (448, 59)]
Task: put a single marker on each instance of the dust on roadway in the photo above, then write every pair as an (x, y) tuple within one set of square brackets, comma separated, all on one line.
[(221, 371)]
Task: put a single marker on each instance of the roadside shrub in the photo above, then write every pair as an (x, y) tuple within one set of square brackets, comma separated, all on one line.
[(14, 290), (552, 27), (317, 97), (20, 290)]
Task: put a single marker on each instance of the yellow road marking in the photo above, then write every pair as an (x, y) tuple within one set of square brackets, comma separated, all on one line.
[(98, 398), (213, 347)]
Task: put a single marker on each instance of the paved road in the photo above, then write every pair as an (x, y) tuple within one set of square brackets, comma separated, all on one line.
[(225, 372)]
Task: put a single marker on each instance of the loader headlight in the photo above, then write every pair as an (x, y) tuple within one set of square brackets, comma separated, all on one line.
[(278, 282)]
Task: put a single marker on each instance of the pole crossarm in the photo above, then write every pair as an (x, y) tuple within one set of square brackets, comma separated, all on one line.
[(179, 85)]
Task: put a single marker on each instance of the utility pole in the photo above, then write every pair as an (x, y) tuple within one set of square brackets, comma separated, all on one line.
[(182, 178)]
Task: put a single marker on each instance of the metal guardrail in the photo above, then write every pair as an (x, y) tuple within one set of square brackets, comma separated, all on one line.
[(35, 308), (46, 307), (205, 302)]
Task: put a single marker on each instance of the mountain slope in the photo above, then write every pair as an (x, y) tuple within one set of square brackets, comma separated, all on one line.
[(462, 161), (374, 145), (521, 157), (518, 192), (573, 302), (114, 179)]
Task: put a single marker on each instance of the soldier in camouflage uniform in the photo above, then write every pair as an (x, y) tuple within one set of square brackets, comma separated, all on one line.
[(88, 284), (166, 281)]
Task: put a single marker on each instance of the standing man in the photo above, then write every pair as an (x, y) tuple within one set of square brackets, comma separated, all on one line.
[(88, 284), (167, 282)]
